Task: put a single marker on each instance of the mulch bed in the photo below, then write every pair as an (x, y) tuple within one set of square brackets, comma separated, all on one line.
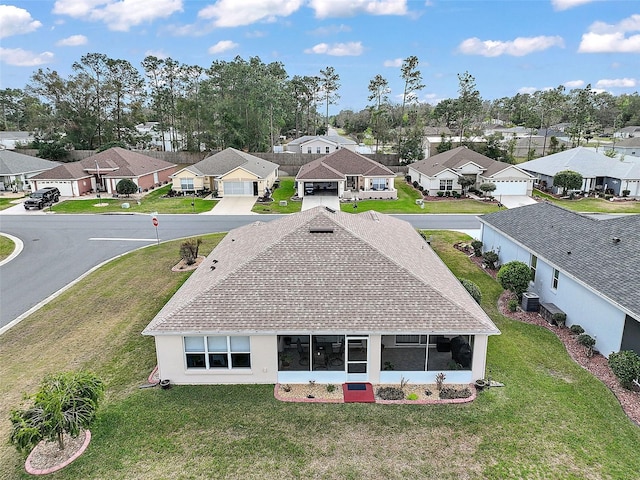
[(597, 365)]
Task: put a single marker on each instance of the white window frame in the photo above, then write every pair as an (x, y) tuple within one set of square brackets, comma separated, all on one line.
[(327, 150), (446, 184), (555, 279), (533, 265), (317, 149), (378, 183), (232, 350), (187, 183)]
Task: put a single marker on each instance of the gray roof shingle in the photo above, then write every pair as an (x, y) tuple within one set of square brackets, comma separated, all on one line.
[(13, 163), (372, 274), (551, 232), (339, 164), (229, 159)]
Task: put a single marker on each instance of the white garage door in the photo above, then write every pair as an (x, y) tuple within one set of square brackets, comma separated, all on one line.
[(510, 188), (238, 188), (64, 187)]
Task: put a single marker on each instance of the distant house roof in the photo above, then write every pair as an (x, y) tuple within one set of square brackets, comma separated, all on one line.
[(628, 142), (433, 131), (581, 246), (585, 161), (339, 164), (337, 139), (113, 163), (13, 163), (630, 129), (227, 160), (10, 139), (455, 159), (336, 272)]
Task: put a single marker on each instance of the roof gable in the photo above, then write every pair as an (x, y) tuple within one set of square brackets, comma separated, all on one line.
[(229, 159), (341, 163)]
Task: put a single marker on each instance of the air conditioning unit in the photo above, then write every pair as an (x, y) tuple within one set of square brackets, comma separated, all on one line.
[(530, 302)]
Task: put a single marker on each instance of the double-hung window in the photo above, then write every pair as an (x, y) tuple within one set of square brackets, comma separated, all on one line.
[(186, 183), (446, 184), (378, 184), (218, 352), (533, 265), (556, 277)]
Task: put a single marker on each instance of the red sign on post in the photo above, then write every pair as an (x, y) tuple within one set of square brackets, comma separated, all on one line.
[(154, 220)]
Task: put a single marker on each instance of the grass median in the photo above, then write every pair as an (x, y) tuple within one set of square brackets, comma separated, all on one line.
[(592, 204), (551, 420)]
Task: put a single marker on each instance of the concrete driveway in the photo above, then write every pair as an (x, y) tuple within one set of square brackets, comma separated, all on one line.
[(513, 201), (233, 206), (311, 201)]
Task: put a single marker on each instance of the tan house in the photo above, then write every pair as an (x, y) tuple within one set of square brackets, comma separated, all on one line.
[(357, 298), (102, 172), (346, 174), (227, 173), (320, 144), (441, 172)]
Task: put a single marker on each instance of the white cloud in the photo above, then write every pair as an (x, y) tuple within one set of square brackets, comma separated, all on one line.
[(574, 83), (617, 82), (118, 15), (606, 38), (567, 4), (72, 41), (156, 53), (396, 63), (331, 30), (337, 49), (528, 90), (519, 47), (14, 21), (231, 13), (23, 58), (222, 46), (333, 8)]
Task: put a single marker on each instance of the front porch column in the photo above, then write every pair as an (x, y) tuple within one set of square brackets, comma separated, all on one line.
[(479, 361), (340, 188), (375, 358)]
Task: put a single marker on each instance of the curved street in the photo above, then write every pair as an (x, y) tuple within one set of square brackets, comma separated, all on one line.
[(58, 249)]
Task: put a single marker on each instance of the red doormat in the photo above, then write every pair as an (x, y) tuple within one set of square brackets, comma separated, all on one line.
[(358, 393)]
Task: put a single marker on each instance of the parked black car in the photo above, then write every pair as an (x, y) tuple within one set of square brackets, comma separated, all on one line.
[(41, 198)]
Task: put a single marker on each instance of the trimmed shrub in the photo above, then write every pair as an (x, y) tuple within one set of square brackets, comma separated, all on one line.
[(626, 367), (559, 318), (126, 187), (512, 305), (473, 289), (490, 259), (576, 329), (440, 194), (415, 184), (407, 178), (390, 393), (477, 248), (586, 340), (515, 276), (447, 193), (625, 193), (448, 393)]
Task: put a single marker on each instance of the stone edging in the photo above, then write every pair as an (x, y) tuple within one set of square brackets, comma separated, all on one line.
[(60, 466), (471, 398)]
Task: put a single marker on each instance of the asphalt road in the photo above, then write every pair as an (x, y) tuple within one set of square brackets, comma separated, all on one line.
[(60, 248)]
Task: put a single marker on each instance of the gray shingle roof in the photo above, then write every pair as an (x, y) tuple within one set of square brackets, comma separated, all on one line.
[(12, 163), (229, 159), (372, 274), (339, 164), (596, 260), (332, 138)]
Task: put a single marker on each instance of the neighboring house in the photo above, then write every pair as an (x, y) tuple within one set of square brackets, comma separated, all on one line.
[(441, 173), (11, 140), (628, 132), (102, 172), (228, 173), (354, 298), (16, 169), (320, 144), (599, 172), (585, 267), (153, 138), (509, 132), (628, 146), (348, 175), (431, 143)]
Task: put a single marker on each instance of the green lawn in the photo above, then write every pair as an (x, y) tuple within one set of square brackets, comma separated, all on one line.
[(285, 191), (551, 420), (6, 202), (597, 205), (152, 202), (6, 247), (406, 203)]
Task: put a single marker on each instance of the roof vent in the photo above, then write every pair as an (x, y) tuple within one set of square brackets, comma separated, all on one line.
[(616, 240), (321, 230), (329, 209)]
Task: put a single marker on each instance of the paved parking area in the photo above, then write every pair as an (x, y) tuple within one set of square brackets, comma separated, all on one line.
[(233, 206)]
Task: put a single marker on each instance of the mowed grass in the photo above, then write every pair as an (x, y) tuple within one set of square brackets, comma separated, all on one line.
[(151, 202), (551, 420), (7, 202), (591, 204), (285, 191), (6, 247), (406, 203)]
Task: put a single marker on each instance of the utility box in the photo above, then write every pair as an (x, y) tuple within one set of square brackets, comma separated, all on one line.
[(530, 302)]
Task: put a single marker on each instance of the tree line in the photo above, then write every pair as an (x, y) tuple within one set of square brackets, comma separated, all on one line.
[(248, 104)]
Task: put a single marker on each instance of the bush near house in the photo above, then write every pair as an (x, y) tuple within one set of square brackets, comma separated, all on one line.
[(473, 289), (626, 367), (490, 259), (514, 276)]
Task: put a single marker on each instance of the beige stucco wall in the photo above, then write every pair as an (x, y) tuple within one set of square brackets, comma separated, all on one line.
[(198, 182), (171, 364)]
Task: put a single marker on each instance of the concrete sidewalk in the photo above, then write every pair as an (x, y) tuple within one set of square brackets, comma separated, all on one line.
[(233, 206)]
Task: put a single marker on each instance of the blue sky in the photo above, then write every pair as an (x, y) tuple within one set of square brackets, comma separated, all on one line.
[(509, 46)]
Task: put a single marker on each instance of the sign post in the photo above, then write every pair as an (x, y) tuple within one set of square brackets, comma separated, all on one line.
[(154, 221)]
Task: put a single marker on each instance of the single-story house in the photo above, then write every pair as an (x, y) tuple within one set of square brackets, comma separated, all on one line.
[(628, 146), (357, 298), (102, 172), (628, 132), (441, 173), (432, 142), (322, 144), (348, 175), (16, 169), (228, 173), (11, 140), (599, 172), (582, 266)]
